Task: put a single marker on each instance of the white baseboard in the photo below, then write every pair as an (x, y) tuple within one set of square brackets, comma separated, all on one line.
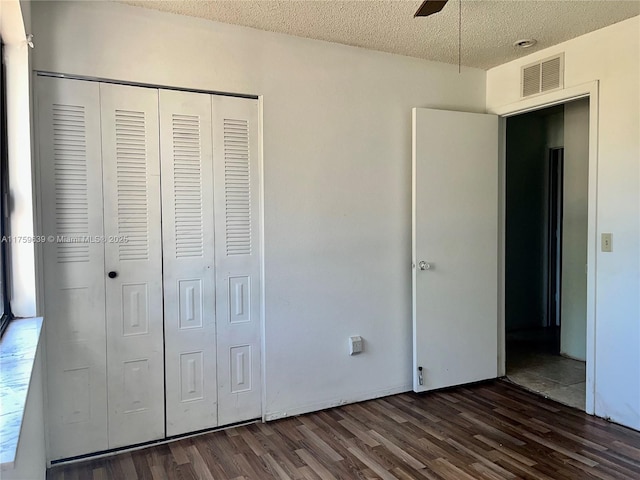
[(336, 402)]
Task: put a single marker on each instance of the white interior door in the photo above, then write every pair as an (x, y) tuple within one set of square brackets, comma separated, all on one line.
[(455, 248), (71, 210), (133, 264), (236, 152), (188, 258)]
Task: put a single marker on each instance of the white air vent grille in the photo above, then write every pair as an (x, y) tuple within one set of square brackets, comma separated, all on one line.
[(237, 187), (187, 175), (531, 80), (542, 76), (131, 177), (551, 74), (70, 177)]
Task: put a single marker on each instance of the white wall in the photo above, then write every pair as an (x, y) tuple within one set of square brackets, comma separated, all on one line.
[(337, 159), (612, 56), (555, 129), (573, 332)]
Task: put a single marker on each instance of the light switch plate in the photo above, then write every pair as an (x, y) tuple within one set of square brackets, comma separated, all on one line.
[(607, 242)]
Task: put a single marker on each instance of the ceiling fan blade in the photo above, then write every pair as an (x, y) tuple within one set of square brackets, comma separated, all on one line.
[(429, 7)]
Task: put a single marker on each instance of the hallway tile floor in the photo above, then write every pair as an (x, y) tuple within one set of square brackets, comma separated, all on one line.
[(553, 376)]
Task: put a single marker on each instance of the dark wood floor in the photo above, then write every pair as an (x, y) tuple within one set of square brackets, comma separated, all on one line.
[(493, 430)]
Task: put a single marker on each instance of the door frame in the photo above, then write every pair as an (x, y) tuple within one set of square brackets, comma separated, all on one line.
[(555, 199), (586, 90)]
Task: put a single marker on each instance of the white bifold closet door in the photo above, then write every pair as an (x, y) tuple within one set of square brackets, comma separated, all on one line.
[(74, 277), (150, 200), (211, 195), (236, 153), (189, 281), (133, 262)]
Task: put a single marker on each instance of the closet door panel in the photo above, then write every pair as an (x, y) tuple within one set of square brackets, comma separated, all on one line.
[(133, 264), (237, 253), (70, 170), (188, 261)]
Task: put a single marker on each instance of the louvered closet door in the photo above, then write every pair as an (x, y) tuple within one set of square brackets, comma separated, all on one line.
[(133, 253), (71, 211), (189, 289), (237, 216)]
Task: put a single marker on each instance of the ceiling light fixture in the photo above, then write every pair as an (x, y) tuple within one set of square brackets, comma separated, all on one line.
[(525, 43)]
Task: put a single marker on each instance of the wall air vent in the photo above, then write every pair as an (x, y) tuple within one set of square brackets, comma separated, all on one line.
[(542, 76), (531, 80)]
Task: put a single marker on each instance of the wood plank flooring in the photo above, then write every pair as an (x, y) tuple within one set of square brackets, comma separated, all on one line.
[(491, 431)]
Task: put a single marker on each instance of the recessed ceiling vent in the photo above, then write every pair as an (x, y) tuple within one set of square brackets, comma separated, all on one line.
[(543, 76)]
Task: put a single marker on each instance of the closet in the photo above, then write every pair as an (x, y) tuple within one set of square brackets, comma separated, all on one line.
[(149, 201)]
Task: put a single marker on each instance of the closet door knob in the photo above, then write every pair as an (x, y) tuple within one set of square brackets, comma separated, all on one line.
[(112, 274)]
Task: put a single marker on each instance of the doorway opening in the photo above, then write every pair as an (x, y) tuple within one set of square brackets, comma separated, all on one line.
[(547, 172)]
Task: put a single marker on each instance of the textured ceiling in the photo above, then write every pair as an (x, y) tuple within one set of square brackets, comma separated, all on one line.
[(489, 28)]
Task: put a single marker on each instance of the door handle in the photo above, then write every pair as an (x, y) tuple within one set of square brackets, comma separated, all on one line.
[(112, 274), (425, 266)]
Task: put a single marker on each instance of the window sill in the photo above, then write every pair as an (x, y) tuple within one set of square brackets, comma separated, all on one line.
[(17, 354)]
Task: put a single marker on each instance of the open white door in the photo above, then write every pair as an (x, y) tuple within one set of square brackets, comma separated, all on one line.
[(455, 248)]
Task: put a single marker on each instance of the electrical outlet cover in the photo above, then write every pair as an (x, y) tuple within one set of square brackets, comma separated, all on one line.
[(607, 242), (355, 345)]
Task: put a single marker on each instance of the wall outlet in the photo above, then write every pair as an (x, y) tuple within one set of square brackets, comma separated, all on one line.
[(355, 345), (607, 242)]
